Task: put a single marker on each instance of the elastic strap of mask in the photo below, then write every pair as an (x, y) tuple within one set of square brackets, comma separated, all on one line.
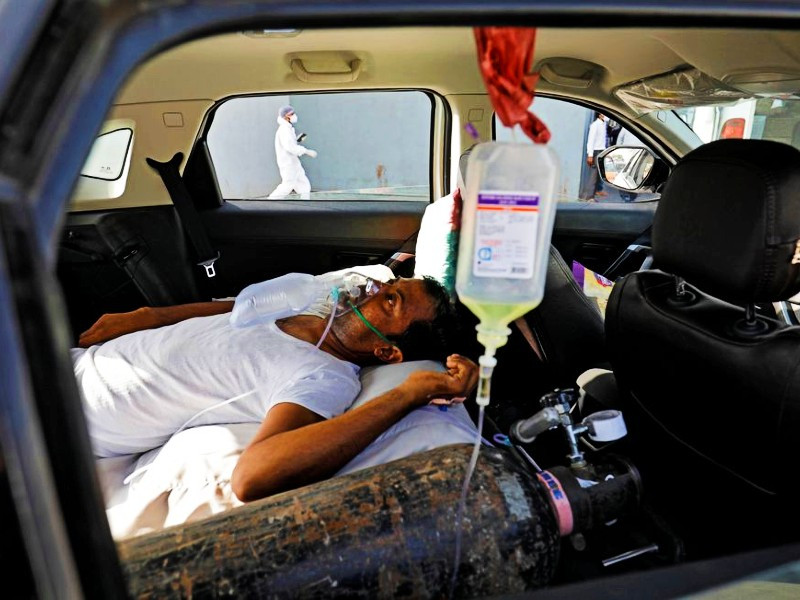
[(368, 324)]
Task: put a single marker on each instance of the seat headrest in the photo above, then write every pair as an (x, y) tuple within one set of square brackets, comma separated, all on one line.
[(729, 221)]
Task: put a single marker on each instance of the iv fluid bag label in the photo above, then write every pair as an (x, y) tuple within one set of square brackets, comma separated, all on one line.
[(506, 224)]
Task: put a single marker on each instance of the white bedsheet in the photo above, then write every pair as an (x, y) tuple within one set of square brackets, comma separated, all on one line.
[(188, 478)]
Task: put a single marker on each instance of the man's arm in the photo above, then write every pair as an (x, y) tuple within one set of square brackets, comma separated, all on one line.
[(295, 447), (289, 142), (113, 325)]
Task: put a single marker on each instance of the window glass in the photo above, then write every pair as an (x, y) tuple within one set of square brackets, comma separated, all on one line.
[(105, 173), (369, 146), (573, 129), (107, 158), (760, 119)]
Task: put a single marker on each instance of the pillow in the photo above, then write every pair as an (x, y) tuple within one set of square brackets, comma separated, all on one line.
[(437, 241), (425, 428), (380, 379)]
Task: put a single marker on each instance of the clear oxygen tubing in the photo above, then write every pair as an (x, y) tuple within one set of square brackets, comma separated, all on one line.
[(334, 303), (137, 472), (463, 500)]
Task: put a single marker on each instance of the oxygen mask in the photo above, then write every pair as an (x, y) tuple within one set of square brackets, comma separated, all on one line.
[(354, 291)]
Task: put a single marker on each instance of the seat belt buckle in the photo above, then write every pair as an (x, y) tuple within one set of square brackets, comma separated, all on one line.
[(208, 265)]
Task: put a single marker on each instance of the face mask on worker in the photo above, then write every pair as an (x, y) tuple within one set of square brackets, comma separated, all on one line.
[(293, 119)]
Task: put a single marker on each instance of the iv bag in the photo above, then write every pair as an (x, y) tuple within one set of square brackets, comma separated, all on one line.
[(507, 223)]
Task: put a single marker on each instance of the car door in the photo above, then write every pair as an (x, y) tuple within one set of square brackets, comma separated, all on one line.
[(58, 543)]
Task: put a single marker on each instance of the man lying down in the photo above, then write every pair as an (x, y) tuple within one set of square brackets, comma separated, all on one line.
[(146, 375)]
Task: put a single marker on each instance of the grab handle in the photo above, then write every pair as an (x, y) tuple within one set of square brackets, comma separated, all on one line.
[(303, 74)]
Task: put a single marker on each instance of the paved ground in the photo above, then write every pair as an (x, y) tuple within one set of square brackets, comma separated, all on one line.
[(421, 193)]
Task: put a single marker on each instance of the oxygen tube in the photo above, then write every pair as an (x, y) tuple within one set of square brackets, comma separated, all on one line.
[(334, 303)]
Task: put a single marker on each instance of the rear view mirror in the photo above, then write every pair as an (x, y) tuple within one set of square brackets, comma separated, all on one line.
[(631, 168)]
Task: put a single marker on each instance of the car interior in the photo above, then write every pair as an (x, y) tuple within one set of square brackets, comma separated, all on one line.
[(676, 294)]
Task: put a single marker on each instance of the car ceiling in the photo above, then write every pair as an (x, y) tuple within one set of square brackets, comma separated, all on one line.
[(443, 59), (579, 63)]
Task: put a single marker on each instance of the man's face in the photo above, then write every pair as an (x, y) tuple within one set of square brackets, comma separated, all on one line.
[(395, 306)]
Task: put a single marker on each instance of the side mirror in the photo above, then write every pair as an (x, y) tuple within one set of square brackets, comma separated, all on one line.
[(632, 168)]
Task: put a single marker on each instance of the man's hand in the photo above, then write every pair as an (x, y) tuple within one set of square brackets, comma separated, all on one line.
[(311, 153), (590, 161), (459, 380)]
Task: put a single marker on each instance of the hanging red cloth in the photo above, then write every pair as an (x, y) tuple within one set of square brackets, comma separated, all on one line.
[(505, 55)]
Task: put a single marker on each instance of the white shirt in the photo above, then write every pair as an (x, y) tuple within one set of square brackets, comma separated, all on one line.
[(141, 388), (597, 137)]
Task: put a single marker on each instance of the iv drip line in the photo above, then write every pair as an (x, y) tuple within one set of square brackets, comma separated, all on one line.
[(463, 500)]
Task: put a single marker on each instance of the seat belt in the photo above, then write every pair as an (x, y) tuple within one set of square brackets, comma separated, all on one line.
[(530, 337), (404, 253), (192, 225), (639, 245)]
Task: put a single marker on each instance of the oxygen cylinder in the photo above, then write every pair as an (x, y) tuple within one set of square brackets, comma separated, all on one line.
[(387, 531)]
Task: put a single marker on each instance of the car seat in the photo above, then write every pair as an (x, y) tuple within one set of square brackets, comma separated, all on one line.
[(711, 388)]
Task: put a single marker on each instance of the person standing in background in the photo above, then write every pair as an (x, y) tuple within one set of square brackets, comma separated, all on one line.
[(595, 144), (612, 131), (287, 154)]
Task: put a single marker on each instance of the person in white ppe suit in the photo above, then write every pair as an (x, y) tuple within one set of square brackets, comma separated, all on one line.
[(288, 153)]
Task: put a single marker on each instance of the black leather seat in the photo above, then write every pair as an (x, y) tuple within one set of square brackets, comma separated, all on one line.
[(712, 388), (568, 326)]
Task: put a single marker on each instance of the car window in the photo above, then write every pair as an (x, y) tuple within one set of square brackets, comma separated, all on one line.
[(774, 119), (368, 146), (105, 172), (107, 157), (572, 130)]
